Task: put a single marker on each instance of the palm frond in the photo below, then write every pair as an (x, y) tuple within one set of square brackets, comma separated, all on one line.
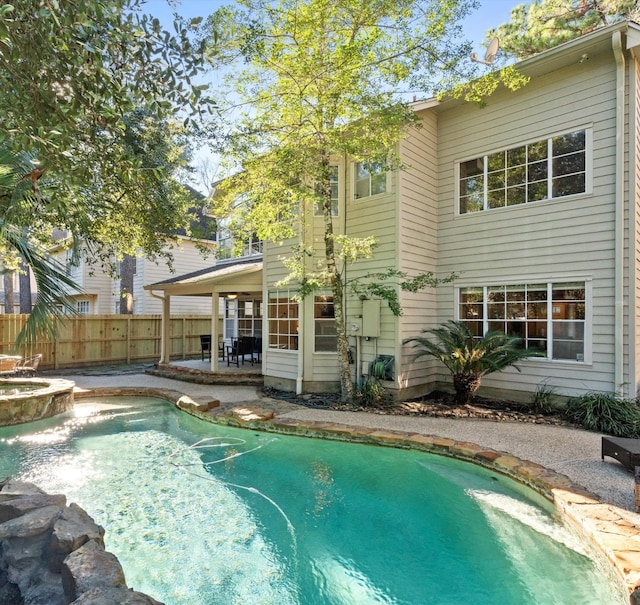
[(54, 285)]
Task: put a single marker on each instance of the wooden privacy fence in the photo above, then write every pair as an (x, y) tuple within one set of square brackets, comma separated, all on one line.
[(102, 339)]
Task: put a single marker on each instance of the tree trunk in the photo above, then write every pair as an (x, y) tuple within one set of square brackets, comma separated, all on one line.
[(465, 386), (337, 286), (8, 293), (26, 303), (127, 271)]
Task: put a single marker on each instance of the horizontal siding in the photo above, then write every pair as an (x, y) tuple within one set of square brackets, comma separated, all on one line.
[(280, 364), (543, 240), (186, 259)]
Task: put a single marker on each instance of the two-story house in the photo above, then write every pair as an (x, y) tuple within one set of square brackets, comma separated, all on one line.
[(532, 200), (122, 292)]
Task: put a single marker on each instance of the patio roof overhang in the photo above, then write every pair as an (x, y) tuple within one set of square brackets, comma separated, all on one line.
[(225, 277)]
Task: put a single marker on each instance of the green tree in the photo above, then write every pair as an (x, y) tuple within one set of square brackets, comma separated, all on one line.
[(102, 98), (543, 24), (468, 358), (322, 78)]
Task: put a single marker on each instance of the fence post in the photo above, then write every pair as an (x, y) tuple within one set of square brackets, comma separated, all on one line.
[(128, 339)]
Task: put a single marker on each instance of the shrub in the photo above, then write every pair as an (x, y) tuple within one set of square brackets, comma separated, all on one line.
[(371, 393), (468, 358), (607, 413), (544, 400)]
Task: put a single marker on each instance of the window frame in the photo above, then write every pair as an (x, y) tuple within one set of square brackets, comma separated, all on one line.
[(83, 306), (324, 315), (550, 284), (335, 201), (550, 177), (281, 339), (384, 173)]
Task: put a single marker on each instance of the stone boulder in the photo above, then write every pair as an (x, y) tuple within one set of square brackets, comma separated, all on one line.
[(53, 554)]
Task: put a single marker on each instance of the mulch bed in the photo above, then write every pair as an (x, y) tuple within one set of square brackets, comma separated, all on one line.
[(435, 404)]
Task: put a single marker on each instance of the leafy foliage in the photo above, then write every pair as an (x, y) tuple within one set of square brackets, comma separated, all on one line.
[(17, 196), (468, 359), (607, 413), (98, 101), (544, 399), (321, 80), (542, 24)]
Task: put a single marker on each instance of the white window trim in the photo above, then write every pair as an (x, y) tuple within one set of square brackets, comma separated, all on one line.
[(588, 129), (588, 312), (315, 351), (340, 180), (354, 172)]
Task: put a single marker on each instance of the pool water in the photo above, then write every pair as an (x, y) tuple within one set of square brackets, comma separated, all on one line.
[(201, 514)]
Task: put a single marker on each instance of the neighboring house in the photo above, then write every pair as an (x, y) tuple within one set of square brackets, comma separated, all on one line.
[(103, 293), (532, 200)]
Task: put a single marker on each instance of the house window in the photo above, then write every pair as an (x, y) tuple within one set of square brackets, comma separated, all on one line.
[(333, 183), (324, 324), (549, 317), (82, 307), (283, 320), (547, 169), (370, 179), (250, 318)]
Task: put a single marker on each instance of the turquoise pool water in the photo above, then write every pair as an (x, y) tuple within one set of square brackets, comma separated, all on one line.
[(201, 514)]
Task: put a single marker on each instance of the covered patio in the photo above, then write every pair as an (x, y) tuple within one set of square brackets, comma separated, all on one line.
[(234, 281)]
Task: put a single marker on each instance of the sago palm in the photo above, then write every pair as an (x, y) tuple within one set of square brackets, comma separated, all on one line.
[(468, 358)]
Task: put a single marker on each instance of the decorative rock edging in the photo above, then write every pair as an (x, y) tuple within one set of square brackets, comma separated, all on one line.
[(54, 396), (200, 377), (53, 554), (613, 531)]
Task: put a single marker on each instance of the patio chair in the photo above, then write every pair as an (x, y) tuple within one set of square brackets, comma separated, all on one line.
[(239, 348), (9, 364), (205, 345), (29, 366)]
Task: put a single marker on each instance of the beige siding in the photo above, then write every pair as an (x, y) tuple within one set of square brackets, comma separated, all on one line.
[(542, 241), (276, 363), (186, 259), (377, 216), (417, 239), (634, 253)]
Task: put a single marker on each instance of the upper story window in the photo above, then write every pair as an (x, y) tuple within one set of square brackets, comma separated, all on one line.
[(335, 189), (549, 317), (547, 169), (370, 179)]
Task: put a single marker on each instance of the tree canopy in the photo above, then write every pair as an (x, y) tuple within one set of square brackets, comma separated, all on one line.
[(543, 24), (99, 102), (323, 78)]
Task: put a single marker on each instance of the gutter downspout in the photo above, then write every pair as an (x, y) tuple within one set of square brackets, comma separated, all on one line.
[(164, 330), (616, 43), (301, 315)]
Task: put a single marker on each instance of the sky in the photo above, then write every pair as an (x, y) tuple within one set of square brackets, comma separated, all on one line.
[(491, 13)]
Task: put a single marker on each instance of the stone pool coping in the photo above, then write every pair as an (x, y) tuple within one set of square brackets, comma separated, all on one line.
[(613, 531)]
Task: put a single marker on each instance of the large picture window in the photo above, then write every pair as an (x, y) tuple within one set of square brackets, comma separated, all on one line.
[(370, 179), (548, 317), (324, 324), (547, 169), (283, 320), (335, 189)]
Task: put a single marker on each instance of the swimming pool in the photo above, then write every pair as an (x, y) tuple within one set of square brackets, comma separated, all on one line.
[(206, 514)]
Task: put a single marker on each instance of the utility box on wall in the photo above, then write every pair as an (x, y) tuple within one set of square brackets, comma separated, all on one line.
[(370, 318)]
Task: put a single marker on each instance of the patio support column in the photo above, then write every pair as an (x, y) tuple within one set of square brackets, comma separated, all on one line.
[(215, 322), (165, 342)]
